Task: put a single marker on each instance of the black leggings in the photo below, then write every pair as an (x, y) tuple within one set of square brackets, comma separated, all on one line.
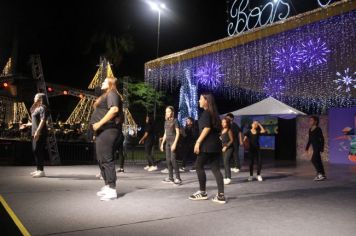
[(171, 159), (227, 157), (149, 153), (214, 160), (235, 154), (318, 164), (121, 150), (104, 144), (38, 148), (255, 155)]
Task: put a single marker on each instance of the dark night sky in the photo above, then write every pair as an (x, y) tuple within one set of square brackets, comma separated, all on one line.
[(60, 31)]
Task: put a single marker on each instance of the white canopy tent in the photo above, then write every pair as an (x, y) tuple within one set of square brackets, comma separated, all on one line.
[(269, 106)]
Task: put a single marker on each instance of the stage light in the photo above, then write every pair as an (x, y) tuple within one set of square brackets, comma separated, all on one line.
[(49, 89), (6, 85), (81, 96), (65, 92)]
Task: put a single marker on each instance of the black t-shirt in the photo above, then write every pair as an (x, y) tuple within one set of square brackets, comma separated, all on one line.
[(253, 139), (37, 115), (150, 133), (211, 143), (106, 102), (235, 131), (170, 127)]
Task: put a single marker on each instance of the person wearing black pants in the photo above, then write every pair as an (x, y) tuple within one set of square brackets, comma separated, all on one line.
[(237, 132), (148, 141), (169, 144), (208, 148), (39, 132), (189, 136), (121, 151), (316, 139), (253, 136), (227, 140), (107, 126)]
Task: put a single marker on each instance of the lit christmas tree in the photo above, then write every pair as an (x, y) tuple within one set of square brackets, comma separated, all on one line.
[(188, 99)]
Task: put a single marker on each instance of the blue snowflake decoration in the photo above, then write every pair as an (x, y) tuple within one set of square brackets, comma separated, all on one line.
[(288, 59), (314, 52), (209, 75), (274, 87), (346, 80)]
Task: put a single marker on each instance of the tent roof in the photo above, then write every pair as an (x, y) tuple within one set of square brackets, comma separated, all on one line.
[(269, 106)]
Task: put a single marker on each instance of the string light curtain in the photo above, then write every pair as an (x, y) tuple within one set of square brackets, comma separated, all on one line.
[(312, 67)]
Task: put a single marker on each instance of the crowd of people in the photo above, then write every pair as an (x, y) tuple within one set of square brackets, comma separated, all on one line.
[(207, 141)]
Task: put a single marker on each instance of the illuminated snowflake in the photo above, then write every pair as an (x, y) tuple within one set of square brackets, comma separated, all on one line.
[(274, 87), (288, 59), (314, 52), (346, 80), (209, 75)]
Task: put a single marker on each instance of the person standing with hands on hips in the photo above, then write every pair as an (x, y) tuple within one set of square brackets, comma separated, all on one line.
[(169, 144), (106, 125), (208, 148)]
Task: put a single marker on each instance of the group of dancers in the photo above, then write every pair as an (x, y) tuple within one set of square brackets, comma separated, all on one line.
[(215, 139)]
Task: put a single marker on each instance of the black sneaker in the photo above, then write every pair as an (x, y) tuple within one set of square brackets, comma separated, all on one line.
[(219, 199), (199, 196), (168, 180), (120, 170), (177, 181)]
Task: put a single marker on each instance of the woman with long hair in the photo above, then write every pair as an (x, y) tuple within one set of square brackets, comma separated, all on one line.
[(169, 144), (148, 139), (39, 132), (227, 140), (316, 139), (208, 148), (106, 125), (253, 138)]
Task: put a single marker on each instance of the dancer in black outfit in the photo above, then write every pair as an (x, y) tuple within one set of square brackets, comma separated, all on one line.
[(237, 131), (208, 148), (38, 132), (253, 136), (316, 139), (148, 140), (227, 140), (107, 127), (169, 144), (189, 136)]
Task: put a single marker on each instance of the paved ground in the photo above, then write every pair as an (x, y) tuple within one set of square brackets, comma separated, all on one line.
[(288, 202)]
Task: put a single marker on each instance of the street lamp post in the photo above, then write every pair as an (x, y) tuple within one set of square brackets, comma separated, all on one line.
[(158, 7)]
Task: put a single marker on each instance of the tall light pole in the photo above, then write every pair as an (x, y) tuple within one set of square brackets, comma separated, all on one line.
[(158, 7)]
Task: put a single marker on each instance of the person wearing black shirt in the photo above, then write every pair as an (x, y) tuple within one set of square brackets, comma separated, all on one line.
[(169, 144), (107, 127), (227, 140), (189, 135), (236, 130), (148, 140), (253, 138), (208, 148), (316, 140), (38, 132)]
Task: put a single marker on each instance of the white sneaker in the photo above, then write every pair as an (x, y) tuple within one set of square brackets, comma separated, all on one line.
[(146, 167), (98, 175), (227, 181), (33, 173), (250, 178), (182, 169), (259, 178), (235, 170), (152, 168), (111, 194), (164, 171), (102, 191), (39, 174)]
